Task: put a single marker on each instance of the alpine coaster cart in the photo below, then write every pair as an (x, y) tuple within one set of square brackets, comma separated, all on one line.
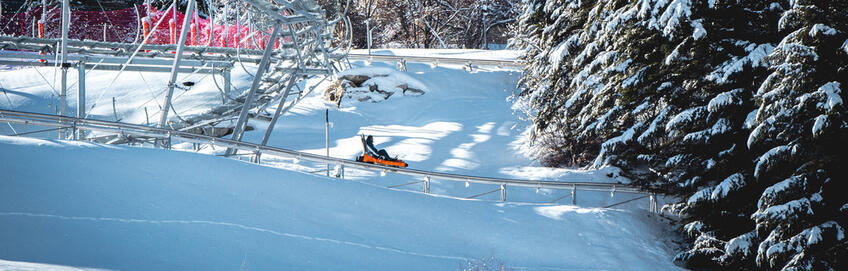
[(371, 155)]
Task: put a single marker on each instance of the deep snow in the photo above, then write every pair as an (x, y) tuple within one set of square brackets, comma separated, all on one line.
[(116, 207)]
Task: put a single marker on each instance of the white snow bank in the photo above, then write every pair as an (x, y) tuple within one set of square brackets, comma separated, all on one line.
[(81, 204), (25, 266)]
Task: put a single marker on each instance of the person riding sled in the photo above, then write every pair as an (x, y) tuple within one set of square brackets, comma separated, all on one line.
[(369, 143), (372, 155)]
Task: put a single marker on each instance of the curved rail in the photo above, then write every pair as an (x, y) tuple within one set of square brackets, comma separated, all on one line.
[(62, 122), (437, 60)]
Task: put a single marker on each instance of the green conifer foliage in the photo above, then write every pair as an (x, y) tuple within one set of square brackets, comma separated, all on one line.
[(736, 106)]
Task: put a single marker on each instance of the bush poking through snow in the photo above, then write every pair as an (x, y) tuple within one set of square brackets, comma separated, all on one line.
[(372, 85)]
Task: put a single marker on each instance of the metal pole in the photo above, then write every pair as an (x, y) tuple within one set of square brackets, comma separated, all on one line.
[(427, 185), (653, 205), (503, 192), (115, 109), (257, 79), (327, 136), (174, 69), (226, 84), (196, 27), (324, 52), (226, 41), (368, 31), (237, 41), (574, 195), (174, 12), (63, 96), (81, 97), (44, 15), (211, 38), (296, 47), (279, 111)]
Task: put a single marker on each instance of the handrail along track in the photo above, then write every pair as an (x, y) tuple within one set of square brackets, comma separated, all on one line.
[(37, 119)]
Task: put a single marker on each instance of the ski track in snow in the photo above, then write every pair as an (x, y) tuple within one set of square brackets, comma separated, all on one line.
[(232, 225), (256, 229)]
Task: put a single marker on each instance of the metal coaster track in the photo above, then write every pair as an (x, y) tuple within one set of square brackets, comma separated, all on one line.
[(437, 60), (125, 129)]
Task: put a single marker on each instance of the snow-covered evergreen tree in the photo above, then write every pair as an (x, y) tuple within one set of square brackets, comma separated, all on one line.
[(722, 102)]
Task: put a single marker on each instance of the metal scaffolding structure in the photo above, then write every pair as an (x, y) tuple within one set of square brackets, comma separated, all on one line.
[(302, 45)]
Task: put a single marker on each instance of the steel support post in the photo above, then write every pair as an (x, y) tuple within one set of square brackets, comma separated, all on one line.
[(279, 110), (175, 68), (43, 15), (427, 185), (574, 195), (81, 97), (653, 205), (296, 47), (503, 192), (327, 136), (63, 94), (257, 79), (227, 83), (368, 33), (323, 51)]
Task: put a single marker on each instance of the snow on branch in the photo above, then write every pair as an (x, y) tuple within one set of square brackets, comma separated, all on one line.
[(730, 184), (798, 245), (820, 29), (757, 57), (845, 46), (673, 14), (790, 211), (831, 92), (742, 244), (724, 99), (781, 190), (772, 158), (685, 118)]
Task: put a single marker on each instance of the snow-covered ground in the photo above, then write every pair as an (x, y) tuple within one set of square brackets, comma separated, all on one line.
[(115, 207), (136, 208)]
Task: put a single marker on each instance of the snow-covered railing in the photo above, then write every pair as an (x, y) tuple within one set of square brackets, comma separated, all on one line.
[(436, 60), (71, 123)]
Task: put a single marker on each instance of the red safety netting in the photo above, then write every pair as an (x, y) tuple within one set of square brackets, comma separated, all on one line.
[(123, 26), (120, 24)]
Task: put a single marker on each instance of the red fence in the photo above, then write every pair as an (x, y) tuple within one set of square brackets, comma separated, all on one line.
[(123, 26)]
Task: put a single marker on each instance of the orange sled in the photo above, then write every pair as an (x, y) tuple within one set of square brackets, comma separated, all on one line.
[(367, 158), (370, 157)]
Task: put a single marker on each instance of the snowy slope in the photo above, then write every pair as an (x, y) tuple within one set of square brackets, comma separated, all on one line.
[(80, 204), (462, 124), (115, 207)]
